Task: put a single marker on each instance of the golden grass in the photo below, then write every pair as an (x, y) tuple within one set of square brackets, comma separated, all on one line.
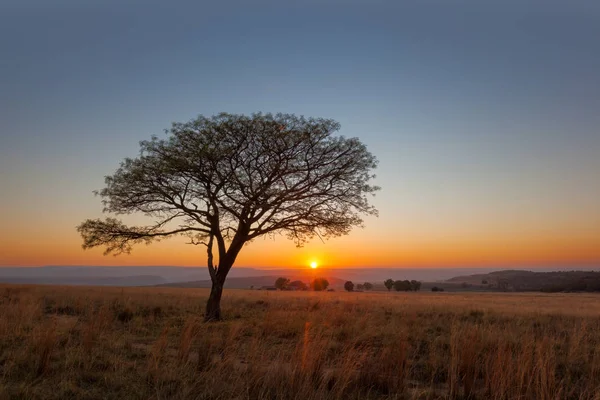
[(150, 343)]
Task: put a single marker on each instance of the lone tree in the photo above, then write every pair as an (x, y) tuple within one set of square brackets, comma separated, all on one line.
[(349, 286), (225, 180)]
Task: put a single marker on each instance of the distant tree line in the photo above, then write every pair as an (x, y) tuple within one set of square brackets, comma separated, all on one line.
[(349, 286), (399, 286), (582, 285), (529, 281), (318, 284), (402, 286)]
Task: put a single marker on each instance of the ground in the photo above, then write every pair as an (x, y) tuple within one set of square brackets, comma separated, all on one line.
[(150, 343)]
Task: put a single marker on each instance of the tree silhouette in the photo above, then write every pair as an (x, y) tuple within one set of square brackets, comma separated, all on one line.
[(368, 285), (319, 284), (349, 286), (415, 286), (389, 284), (282, 283), (225, 180), (402, 286)]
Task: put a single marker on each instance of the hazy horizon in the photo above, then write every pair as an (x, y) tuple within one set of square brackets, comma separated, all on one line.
[(483, 115), (159, 275)]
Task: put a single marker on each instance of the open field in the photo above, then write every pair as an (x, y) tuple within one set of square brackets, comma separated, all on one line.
[(81, 342)]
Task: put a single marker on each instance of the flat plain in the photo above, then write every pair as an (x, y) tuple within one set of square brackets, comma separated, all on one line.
[(59, 342)]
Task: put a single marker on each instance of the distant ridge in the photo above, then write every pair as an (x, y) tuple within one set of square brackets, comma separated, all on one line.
[(157, 275), (137, 280), (253, 281), (516, 280)]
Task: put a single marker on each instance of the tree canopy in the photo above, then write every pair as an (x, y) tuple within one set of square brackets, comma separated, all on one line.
[(228, 179), (282, 283), (349, 286), (319, 284)]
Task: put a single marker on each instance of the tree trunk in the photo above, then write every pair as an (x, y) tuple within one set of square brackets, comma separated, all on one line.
[(213, 306)]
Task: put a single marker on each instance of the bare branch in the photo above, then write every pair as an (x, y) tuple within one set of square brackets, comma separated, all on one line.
[(119, 238)]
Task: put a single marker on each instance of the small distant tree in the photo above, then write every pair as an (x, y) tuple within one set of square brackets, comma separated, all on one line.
[(282, 283), (298, 285), (349, 286), (437, 289), (368, 285), (319, 284), (415, 286), (389, 284), (484, 282), (360, 286)]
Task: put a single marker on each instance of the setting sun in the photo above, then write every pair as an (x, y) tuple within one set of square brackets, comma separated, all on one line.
[(314, 265)]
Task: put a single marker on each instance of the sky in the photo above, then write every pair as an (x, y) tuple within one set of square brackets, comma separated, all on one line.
[(484, 115)]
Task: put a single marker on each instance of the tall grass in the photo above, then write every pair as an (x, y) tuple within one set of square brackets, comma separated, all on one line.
[(89, 343)]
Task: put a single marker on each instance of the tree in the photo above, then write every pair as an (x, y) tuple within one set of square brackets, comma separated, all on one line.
[(415, 286), (228, 179), (402, 286), (389, 284), (349, 286), (368, 285), (319, 284), (282, 283)]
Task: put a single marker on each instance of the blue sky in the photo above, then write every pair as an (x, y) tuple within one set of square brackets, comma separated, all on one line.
[(484, 114)]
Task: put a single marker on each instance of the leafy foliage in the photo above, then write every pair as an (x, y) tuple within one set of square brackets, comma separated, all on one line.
[(349, 286)]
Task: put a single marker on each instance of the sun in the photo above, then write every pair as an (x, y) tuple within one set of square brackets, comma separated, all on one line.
[(314, 265)]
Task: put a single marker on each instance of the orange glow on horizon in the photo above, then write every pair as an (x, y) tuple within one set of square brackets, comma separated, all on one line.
[(354, 251)]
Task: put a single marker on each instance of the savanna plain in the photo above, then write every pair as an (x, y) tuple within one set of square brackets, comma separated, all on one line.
[(150, 343)]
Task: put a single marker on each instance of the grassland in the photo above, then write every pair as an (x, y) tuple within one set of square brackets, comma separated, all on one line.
[(92, 343)]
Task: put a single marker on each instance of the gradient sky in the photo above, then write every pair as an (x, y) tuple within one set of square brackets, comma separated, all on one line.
[(485, 116)]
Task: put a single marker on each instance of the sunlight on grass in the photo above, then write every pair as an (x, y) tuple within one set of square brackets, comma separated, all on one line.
[(74, 342)]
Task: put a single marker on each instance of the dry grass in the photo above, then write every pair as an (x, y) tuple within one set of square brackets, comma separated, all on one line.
[(66, 342)]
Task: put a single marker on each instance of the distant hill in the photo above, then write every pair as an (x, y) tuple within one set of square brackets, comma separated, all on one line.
[(156, 275), (251, 281), (516, 280), (137, 280)]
